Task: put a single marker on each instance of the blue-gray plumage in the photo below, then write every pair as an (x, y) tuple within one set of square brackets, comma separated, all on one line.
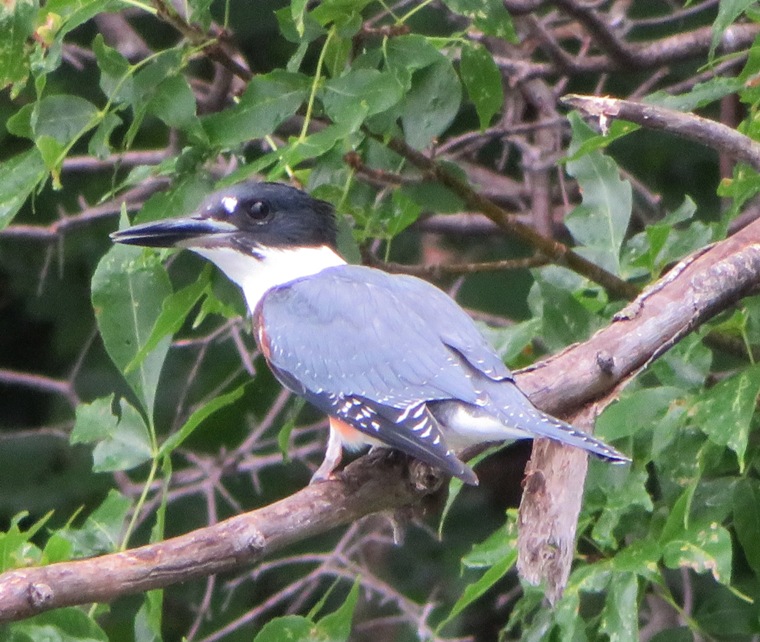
[(406, 345), (389, 356)]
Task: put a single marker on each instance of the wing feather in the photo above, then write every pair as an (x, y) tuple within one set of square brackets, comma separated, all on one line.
[(355, 332), (372, 349)]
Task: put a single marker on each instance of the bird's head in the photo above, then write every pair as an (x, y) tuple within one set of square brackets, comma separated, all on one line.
[(259, 234), (250, 217)]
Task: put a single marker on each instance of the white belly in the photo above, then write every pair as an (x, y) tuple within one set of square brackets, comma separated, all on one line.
[(464, 425)]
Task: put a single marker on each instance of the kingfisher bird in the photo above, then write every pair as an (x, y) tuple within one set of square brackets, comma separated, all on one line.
[(391, 359)]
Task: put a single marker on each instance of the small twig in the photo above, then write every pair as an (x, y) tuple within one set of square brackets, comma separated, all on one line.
[(39, 382), (556, 251), (123, 159), (132, 200), (445, 269), (675, 16), (678, 48), (712, 134)]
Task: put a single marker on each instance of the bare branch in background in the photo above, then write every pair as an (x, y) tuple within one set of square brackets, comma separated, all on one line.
[(715, 135)]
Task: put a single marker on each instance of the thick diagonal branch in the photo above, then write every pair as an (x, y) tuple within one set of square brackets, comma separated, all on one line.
[(691, 293)]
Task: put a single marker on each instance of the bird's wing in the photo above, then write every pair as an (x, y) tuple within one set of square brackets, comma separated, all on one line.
[(413, 430), (354, 331)]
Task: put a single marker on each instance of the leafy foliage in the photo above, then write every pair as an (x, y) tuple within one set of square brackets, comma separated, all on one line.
[(116, 108)]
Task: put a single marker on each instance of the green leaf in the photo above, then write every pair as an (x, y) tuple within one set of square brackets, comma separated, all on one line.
[(200, 12), (198, 417), (268, 101), (17, 23), (640, 557), (702, 549), (52, 153), (510, 341), (100, 143), (343, 13), (724, 615), (410, 52), (456, 485), (338, 54), (599, 224), (477, 589), (701, 95), (283, 435), (678, 517), (64, 118), (433, 197), (116, 79), (122, 442), (297, 13), (367, 90), (620, 616), (174, 103), (290, 29), (647, 406), (680, 634), (293, 628), (564, 319), (686, 365), (174, 311), (313, 146), (724, 412), (728, 12), (746, 508), (148, 618), (149, 78), (103, 529), (404, 212), (77, 12), (499, 545), (431, 104), (611, 132), (663, 243), (15, 547), (128, 290), (336, 626), (182, 198), (490, 16), (625, 489), (19, 176), (61, 625), (482, 79)]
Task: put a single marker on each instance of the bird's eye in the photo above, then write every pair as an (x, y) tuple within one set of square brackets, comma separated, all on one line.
[(258, 210)]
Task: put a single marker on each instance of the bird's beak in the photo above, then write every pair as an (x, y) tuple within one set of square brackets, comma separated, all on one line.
[(173, 232)]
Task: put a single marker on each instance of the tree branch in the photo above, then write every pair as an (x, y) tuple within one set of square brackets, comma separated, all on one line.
[(690, 294), (380, 481), (695, 290), (715, 135), (556, 251)]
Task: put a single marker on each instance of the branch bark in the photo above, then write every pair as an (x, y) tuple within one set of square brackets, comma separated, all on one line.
[(695, 290), (712, 134), (690, 294), (380, 481)]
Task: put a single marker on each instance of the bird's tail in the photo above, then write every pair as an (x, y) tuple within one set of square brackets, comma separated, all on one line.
[(518, 413)]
